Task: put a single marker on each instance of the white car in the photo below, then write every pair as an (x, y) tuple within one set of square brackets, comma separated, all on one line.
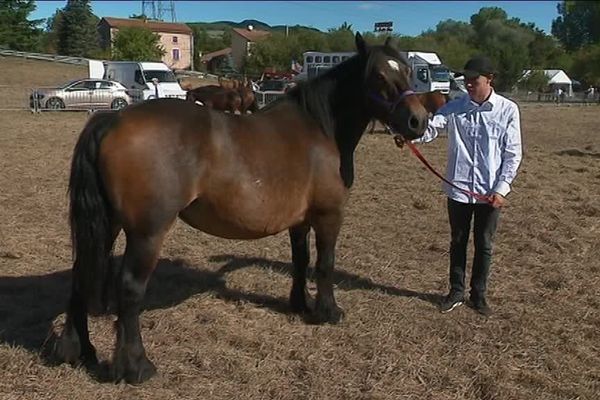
[(83, 94)]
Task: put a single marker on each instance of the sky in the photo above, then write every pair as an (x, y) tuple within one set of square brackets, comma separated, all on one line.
[(408, 17)]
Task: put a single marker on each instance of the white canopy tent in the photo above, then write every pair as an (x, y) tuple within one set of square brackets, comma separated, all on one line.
[(557, 78)]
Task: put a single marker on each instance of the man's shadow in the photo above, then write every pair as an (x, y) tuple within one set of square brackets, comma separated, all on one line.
[(30, 304)]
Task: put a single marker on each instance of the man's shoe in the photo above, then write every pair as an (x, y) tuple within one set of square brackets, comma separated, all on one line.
[(450, 302), (480, 305)]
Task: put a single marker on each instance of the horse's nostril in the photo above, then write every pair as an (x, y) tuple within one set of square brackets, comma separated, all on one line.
[(413, 123)]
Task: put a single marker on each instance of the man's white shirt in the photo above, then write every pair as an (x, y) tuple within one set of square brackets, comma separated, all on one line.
[(484, 145)]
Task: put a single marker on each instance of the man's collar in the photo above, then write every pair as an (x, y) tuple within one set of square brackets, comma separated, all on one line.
[(492, 100)]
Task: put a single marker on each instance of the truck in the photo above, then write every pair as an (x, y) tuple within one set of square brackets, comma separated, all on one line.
[(428, 71), (144, 80)]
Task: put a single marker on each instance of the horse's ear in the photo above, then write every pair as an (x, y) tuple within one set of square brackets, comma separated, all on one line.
[(388, 42), (361, 45)]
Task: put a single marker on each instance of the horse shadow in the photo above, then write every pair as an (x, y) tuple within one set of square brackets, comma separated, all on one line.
[(342, 279), (30, 304)]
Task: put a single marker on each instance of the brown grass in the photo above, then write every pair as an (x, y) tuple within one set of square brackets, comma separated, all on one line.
[(217, 324)]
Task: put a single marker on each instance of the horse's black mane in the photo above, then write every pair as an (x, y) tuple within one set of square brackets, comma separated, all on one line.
[(321, 96), (318, 96)]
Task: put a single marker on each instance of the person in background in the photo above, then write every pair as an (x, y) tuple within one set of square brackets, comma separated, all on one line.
[(484, 154)]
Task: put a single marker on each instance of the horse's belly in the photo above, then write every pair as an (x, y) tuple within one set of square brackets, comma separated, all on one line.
[(239, 223)]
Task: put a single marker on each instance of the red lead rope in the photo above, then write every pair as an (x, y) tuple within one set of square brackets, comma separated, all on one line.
[(416, 152)]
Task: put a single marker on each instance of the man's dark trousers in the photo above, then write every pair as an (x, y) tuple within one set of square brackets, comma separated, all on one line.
[(485, 223)]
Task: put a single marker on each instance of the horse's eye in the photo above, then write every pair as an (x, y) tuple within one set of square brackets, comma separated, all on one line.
[(380, 77)]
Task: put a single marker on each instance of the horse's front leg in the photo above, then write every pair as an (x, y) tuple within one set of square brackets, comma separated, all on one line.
[(130, 361), (299, 297), (327, 228)]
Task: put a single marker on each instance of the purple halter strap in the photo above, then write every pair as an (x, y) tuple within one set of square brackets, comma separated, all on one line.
[(391, 105)]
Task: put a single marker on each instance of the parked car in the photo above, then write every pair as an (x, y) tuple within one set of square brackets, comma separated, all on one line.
[(85, 94)]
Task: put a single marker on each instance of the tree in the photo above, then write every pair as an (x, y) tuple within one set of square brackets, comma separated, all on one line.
[(578, 24), (53, 27), (586, 65), (137, 44), (16, 31), (77, 34), (536, 81), (341, 38)]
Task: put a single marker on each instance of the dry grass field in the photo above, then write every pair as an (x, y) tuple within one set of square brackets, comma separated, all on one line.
[(216, 321)]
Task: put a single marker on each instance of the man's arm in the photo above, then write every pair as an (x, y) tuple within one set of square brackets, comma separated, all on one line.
[(511, 154)]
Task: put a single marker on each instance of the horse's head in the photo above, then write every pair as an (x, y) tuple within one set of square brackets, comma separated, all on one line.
[(388, 88)]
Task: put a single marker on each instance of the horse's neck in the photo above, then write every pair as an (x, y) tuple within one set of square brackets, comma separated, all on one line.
[(351, 120)]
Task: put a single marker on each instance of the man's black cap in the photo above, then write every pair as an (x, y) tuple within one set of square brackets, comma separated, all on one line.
[(478, 65)]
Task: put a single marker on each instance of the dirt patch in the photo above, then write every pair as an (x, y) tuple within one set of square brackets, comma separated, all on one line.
[(216, 321)]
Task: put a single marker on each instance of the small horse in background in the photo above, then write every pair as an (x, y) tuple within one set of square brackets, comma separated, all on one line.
[(249, 102), (289, 166), (216, 97), (246, 91), (432, 101)]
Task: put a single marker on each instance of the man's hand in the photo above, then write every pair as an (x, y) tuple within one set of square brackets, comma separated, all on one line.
[(497, 200)]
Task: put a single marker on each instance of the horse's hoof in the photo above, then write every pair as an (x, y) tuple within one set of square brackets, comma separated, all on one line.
[(331, 315), (301, 302), (67, 350), (134, 373)]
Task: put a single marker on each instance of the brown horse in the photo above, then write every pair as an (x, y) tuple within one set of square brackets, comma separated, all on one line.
[(216, 97), (287, 167), (248, 98), (432, 101)]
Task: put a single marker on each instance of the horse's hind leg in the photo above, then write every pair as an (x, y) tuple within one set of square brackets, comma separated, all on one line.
[(141, 254), (74, 345), (300, 258), (327, 228)]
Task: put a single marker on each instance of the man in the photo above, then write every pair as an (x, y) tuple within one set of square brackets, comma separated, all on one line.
[(484, 153)]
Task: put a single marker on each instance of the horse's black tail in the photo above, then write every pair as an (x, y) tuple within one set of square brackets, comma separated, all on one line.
[(91, 233)]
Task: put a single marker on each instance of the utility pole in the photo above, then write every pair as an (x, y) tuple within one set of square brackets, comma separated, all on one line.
[(158, 10)]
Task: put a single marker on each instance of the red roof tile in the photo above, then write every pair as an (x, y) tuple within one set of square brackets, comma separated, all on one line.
[(154, 26), (218, 53), (251, 35)]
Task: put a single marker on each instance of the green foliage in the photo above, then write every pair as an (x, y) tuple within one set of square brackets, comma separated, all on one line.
[(16, 31), (513, 45), (137, 44), (77, 33), (586, 65), (578, 24), (342, 38), (536, 81)]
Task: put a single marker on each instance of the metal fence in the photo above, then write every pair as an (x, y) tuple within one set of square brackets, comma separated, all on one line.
[(45, 57), (580, 98), (14, 98)]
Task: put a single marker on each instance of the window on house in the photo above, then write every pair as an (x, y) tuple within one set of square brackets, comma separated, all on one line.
[(174, 39), (175, 54)]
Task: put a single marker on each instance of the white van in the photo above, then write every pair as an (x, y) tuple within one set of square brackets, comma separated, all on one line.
[(139, 78)]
